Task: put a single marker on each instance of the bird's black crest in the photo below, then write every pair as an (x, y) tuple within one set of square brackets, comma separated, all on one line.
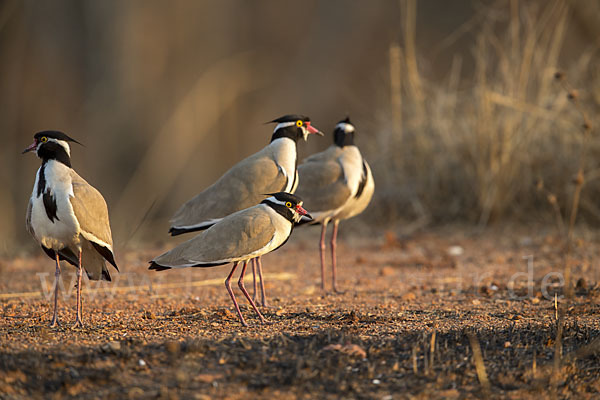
[(285, 196), (290, 118), (55, 135)]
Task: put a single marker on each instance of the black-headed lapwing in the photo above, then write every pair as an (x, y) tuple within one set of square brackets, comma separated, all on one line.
[(336, 184), (272, 169), (68, 216), (236, 238)]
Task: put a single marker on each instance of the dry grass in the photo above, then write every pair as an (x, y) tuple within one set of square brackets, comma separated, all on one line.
[(474, 147)]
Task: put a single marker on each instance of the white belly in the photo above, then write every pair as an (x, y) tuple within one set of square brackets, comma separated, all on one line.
[(55, 235), (357, 205), (62, 231)]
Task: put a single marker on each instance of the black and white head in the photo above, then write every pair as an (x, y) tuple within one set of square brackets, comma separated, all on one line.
[(288, 205), (52, 145), (343, 135), (293, 127)]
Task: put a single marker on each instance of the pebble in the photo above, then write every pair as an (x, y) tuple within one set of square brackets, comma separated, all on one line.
[(455, 251)]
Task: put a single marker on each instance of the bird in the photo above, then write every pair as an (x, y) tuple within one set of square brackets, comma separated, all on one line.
[(336, 184), (67, 216), (238, 237), (270, 170)]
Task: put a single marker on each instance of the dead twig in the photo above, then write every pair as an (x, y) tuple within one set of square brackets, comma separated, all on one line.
[(478, 361)]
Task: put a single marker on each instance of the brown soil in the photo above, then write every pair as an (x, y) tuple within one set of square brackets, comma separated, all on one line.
[(413, 312)]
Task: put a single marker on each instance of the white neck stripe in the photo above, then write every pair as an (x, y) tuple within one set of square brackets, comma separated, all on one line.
[(347, 128), (272, 199), (283, 125)]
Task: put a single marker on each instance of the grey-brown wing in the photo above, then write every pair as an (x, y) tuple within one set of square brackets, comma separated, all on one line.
[(234, 237), (91, 212), (322, 185), (243, 186)]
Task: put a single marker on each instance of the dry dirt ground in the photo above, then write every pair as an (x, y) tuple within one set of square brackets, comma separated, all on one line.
[(441, 314)]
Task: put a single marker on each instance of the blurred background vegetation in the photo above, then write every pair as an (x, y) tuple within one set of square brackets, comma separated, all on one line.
[(456, 103)]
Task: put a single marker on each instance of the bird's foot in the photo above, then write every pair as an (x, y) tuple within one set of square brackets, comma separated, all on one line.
[(262, 319), (78, 324), (242, 320), (263, 303), (54, 323), (338, 291)]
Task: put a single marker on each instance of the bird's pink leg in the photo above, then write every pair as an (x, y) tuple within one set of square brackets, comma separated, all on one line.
[(78, 321), (228, 287), (54, 323), (262, 282), (243, 289), (333, 256), (255, 292), (322, 253)]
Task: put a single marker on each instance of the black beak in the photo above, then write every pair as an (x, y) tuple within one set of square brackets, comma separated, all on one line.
[(31, 147)]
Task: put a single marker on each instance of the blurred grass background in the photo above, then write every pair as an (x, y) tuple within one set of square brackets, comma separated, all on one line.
[(456, 104)]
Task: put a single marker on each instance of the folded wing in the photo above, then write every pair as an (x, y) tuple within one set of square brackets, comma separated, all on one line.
[(243, 186), (235, 237), (91, 212), (322, 184)]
